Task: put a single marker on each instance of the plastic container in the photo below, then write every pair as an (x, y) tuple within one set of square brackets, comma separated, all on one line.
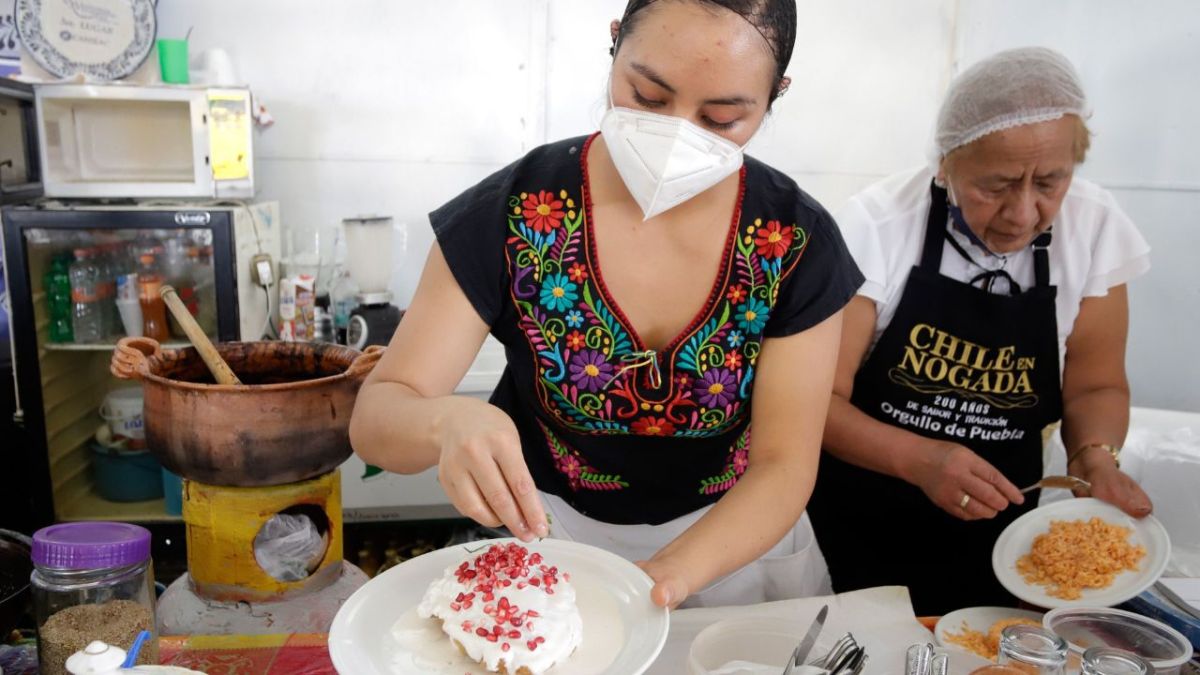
[(1083, 628), (91, 581), (753, 640), (124, 476), (172, 487), (122, 411), (369, 251)]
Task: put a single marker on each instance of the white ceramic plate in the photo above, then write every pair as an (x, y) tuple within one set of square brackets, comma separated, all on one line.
[(977, 618), (1017, 539), (378, 632)]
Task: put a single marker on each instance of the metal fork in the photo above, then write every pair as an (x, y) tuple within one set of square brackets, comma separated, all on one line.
[(840, 648), (1060, 482)]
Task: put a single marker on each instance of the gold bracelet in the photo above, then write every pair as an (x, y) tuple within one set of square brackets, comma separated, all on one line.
[(1110, 449)]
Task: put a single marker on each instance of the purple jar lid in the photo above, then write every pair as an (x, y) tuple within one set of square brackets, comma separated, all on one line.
[(90, 545)]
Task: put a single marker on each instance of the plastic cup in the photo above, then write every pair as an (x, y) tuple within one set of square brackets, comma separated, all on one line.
[(173, 60), (172, 493), (131, 316)]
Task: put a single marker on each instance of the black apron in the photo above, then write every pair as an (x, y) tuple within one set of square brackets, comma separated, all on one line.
[(956, 363)]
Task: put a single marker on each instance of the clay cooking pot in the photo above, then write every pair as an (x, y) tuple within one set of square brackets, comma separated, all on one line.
[(288, 421)]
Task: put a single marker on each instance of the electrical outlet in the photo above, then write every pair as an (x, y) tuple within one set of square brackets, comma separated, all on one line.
[(262, 271)]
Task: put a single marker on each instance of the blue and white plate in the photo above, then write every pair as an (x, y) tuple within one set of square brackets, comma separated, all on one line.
[(102, 39)]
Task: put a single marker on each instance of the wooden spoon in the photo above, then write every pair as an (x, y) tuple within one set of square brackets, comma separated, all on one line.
[(216, 365)]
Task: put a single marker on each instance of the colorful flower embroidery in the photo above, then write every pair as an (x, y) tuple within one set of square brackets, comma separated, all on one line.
[(752, 315), (558, 293), (575, 340), (773, 241), (592, 375), (653, 426), (590, 371), (716, 388), (542, 211), (739, 460), (579, 475)]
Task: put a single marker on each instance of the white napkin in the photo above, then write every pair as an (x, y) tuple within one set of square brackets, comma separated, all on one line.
[(749, 668)]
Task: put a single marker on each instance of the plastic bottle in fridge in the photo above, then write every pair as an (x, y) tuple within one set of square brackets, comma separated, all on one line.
[(154, 310), (204, 283), (106, 289), (57, 284), (87, 322)]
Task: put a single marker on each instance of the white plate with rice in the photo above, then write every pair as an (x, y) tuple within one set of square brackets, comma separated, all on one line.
[(1017, 541), (979, 619)]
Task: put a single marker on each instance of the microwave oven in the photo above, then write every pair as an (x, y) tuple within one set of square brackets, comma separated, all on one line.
[(124, 141), (20, 175)]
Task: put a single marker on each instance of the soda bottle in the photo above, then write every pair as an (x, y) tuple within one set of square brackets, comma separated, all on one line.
[(154, 310), (57, 284), (87, 323)]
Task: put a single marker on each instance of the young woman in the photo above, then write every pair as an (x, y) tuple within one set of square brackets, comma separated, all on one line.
[(658, 296)]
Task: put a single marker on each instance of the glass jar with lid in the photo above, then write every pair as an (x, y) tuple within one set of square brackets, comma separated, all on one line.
[(91, 581), (1110, 661), (1033, 649)]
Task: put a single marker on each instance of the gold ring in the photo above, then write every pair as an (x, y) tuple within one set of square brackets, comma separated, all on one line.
[(962, 504)]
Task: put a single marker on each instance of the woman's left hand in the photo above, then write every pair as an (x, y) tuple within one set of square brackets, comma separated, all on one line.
[(670, 582), (1112, 485)]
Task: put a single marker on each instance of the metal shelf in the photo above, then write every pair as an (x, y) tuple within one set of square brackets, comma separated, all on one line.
[(91, 506)]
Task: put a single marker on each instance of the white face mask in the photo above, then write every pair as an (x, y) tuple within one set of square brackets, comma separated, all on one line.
[(664, 160)]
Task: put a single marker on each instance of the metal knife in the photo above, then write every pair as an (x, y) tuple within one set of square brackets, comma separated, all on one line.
[(810, 638)]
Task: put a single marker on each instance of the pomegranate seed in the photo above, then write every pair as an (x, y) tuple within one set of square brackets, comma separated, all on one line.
[(491, 638), (535, 582), (514, 634), (539, 639), (521, 586), (532, 645), (533, 613), (504, 647), (454, 606), (482, 632)]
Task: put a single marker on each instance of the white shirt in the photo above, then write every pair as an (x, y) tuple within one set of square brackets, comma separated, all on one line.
[(1095, 247)]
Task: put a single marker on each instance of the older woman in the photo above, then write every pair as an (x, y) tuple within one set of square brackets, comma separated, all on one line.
[(994, 306)]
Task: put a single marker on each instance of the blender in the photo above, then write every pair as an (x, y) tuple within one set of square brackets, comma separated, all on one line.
[(369, 259)]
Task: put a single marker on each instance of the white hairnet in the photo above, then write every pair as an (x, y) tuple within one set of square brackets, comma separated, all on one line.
[(1008, 89)]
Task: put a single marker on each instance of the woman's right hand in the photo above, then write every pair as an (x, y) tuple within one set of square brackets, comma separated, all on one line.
[(947, 471), (483, 471)]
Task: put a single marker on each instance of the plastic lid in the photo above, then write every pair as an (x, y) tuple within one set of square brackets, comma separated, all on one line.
[(1158, 643), (97, 657), (90, 545)]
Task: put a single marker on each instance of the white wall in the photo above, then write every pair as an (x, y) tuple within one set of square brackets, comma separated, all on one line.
[(393, 106)]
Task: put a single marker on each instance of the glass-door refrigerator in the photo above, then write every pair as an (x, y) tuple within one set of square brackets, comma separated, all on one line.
[(80, 277)]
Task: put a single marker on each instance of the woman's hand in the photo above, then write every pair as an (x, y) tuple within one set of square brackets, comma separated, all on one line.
[(670, 581), (482, 470), (1109, 483), (946, 472)]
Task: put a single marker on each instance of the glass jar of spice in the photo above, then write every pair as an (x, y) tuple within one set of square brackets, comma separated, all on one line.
[(91, 581)]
